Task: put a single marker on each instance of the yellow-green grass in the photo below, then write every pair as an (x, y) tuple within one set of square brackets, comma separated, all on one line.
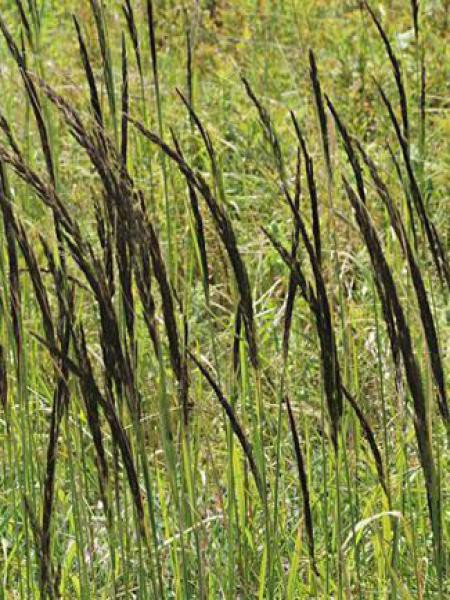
[(169, 435)]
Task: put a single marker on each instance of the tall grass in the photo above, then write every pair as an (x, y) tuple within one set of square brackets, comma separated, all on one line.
[(199, 397)]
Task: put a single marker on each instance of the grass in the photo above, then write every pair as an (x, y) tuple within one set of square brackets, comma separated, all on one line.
[(224, 303)]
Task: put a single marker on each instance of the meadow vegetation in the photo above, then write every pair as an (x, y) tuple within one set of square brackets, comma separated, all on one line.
[(224, 299)]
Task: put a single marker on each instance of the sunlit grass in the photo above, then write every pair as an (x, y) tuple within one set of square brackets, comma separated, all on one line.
[(224, 300)]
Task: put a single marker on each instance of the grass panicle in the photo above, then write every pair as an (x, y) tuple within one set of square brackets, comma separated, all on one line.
[(303, 484), (132, 30), (397, 73), (225, 231), (411, 366), (426, 314), (235, 425), (320, 108), (436, 247)]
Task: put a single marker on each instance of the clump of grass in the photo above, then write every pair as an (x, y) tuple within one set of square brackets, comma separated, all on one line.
[(412, 370), (117, 480), (426, 315), (225, 230), (403, 137)]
